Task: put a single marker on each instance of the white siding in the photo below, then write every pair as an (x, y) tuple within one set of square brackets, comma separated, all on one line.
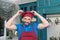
[(53, 29), (19, 1), (24, 1)]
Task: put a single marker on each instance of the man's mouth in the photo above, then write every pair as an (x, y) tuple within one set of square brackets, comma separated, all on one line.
[(26, 23)]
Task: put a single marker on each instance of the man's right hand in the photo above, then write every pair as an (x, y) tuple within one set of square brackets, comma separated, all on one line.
[(19, 12)]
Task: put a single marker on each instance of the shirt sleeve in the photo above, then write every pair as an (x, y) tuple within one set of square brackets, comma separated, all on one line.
[(18, 26), (19, 29), (36, 25)]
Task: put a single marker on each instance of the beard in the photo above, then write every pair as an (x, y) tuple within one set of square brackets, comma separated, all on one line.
[(26, 23)]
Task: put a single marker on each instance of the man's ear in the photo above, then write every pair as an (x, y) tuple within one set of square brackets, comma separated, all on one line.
[(33, 19), (22, 19)]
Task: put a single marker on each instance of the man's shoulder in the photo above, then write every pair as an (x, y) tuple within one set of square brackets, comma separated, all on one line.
[(34, 22), (18, 24)]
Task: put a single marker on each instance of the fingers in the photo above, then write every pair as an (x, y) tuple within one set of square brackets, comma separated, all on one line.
[(20, 11), (33, 11)]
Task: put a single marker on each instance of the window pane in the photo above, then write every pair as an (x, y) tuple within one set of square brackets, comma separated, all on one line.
[(35, 8), (25, 8), (1, 27), (21, 8), (31, 8)]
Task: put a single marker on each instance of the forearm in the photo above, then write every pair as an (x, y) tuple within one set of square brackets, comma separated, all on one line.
[(44, 21), (10, 21)]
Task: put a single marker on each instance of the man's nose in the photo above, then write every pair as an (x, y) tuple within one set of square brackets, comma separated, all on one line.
[(26, 21)]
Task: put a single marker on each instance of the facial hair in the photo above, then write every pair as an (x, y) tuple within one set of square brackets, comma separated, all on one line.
[(26, 23)]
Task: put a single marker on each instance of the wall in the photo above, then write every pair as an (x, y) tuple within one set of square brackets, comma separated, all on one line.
[(24, 1), (48, 7), (53, 29)]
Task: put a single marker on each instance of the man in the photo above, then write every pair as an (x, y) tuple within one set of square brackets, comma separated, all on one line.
[(27, 30)]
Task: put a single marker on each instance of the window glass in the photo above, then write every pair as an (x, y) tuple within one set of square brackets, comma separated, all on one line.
[(1, 27), (25, 8)]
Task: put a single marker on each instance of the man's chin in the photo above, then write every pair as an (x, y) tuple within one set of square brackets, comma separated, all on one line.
[(26, 23)]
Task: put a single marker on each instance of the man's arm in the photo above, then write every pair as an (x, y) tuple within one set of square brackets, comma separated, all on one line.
[(10, 25), (44, 21)]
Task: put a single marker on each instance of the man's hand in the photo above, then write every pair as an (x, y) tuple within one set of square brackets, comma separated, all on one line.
[(44, 21), (19, 12), (34, 12)]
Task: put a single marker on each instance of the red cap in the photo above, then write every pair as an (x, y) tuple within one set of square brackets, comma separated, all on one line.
[(27, 13)]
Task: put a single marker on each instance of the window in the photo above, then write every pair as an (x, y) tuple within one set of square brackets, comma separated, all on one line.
[(21, 8), (33, 8), (29, 7), (25, 8), (1, 27)]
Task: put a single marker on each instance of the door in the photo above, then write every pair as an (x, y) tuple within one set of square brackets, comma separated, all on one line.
[(31, 6)]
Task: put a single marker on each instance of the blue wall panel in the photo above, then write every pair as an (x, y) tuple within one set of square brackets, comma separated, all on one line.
[(49, 7), (55, 9), (54, 2)]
